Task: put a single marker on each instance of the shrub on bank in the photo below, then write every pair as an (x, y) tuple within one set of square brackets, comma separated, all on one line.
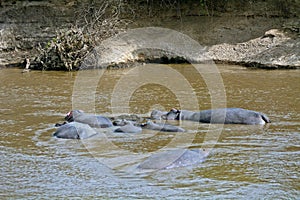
[(98, 21)]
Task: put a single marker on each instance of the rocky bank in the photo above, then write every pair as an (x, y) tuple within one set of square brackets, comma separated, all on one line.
[(260, 34)]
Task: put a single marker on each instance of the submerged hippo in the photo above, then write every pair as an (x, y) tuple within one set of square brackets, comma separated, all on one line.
[(74, 130), (129, 117), (90, 119), (123, 122), (219, 116), (161, 127), (128, 127), (157, 114), (174, 158)]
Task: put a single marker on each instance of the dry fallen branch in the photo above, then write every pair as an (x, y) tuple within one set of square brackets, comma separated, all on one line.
[(67, 50)]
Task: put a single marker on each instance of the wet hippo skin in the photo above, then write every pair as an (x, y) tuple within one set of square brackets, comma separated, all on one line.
[(90, 119), (220, 116), (74, 130), (174, 158), (161, 127), (128, 127)]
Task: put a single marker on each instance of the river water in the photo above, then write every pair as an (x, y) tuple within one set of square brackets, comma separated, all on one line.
[(252, 162)]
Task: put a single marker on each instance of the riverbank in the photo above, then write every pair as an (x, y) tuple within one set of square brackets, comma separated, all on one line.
[(273, 50), (258, 35)]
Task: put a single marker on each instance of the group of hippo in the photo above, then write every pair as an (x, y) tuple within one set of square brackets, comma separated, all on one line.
[(80, 125)]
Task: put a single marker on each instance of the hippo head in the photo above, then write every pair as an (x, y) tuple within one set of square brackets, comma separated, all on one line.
[(70, 115), (173, 114), (120, 122), (157, 114)]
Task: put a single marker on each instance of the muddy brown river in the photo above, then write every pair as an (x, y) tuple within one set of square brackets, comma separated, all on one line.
[(245, 161)]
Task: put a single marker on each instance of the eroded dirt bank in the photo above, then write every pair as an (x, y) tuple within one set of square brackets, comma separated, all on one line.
[(258, 35)]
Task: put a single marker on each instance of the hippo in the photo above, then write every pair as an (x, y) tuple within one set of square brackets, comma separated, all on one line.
[(174, 158), (90, 119), (130, 117), (74, 130), (123, 122), (157, 114), (161, 127), (128, 127), (220, 116)]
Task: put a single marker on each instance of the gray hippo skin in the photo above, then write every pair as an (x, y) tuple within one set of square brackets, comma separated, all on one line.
[(216, 116), (74, 130), (162, 127), (173, 159), (90, 119), (157, 114), (123, 122), (128, 127)]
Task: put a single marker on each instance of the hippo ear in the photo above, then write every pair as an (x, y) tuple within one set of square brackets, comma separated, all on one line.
[(69, 116), (69, 113)]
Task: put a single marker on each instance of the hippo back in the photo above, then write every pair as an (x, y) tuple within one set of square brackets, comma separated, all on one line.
[(90, 119), (174, 158), (189, 157), (74, 130), (129, 128), (162, 127), (221, 116), (243, 116), (233, 116)]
